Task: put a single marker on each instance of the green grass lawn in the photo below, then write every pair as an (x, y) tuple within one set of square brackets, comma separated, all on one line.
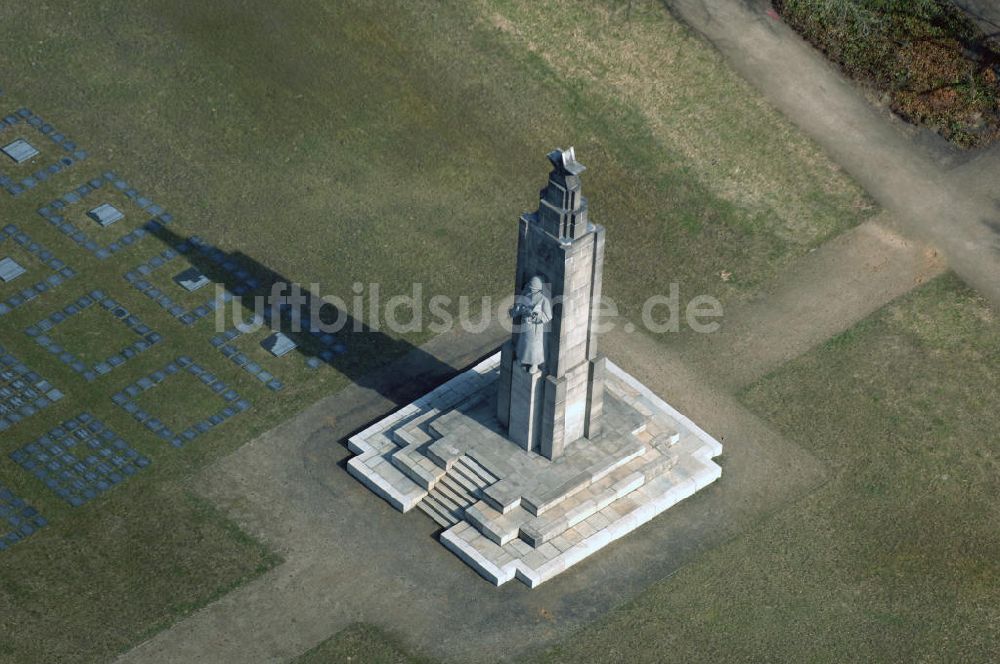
[(93, 335), (180, 401), (340, 143), (117, 570), (395, 141), (688, 127)]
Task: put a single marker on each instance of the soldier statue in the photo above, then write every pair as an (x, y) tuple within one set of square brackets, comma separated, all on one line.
[(531, 311)]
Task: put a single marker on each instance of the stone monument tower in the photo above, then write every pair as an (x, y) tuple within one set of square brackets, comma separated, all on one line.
[(544, 452), (551, 386)]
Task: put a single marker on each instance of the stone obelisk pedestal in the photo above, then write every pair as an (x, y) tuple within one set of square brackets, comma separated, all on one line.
[(558, 244), (527, 390)]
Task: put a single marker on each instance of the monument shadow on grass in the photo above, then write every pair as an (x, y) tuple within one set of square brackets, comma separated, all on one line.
[(362, 342)]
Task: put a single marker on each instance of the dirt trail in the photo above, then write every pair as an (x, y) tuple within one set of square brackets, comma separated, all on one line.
[(981, 174), (868, 143), (820, 296), (986, 13)]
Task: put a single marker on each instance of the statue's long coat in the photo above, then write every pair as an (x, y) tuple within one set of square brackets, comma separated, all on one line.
[(531, 339)]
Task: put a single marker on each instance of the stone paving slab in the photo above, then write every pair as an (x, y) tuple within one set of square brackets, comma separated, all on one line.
[(20, 151), (192, 279), (106, 214), (279, 344), (10, 269)]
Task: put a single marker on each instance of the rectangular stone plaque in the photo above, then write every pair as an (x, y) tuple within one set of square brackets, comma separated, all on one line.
[(20, 151), (279, 344), (10, 269), (106, 214), (191, 279)]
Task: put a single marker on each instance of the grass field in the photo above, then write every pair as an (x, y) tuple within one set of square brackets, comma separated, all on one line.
[(93, 335), (712, 128), (395, 140), (397, 144)]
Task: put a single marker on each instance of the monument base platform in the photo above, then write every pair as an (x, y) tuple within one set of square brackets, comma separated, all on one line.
[(508, 512)]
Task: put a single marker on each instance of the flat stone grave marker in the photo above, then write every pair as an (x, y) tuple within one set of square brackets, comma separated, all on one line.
[(279, 344), (22, 391), (80, 459), (126, 400), (191, 279), (18, 519), (60, 212), (222, 343), (20, 151), (106, 214), (147, 337), (193, 246), (60, 271), (10, 269)]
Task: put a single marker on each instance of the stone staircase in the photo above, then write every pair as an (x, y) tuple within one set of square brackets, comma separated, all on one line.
[(460, 487)]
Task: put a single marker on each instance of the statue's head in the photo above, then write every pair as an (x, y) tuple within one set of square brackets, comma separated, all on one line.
[(535, 284)]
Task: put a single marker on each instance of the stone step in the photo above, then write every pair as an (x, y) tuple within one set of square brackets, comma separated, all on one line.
[(410, 432), (432, 512), (417, 467), (444, 452), (442, 508), (387, 481), (480, 470), (457, 498), (503, 496), (484, 477), (449, 505), (495, 526), (461, 480), (666, 440), (460, 471), (541, 529), (467, 497)]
